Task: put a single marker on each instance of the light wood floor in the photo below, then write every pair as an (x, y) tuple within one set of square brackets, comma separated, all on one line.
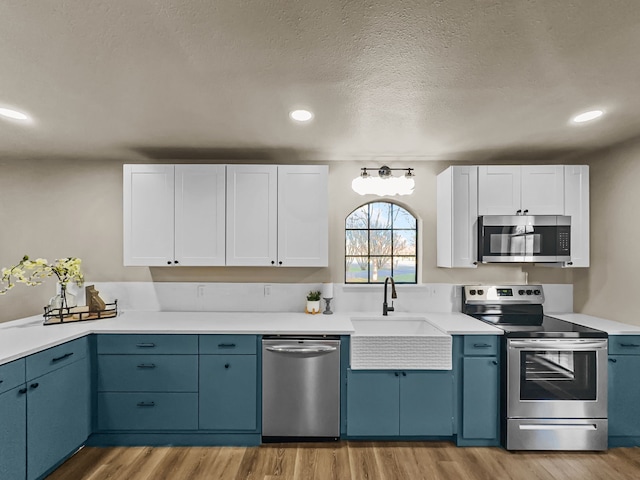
[(346, 460)]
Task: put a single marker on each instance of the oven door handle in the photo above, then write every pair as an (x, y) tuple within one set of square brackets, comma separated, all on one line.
[(558, 345)]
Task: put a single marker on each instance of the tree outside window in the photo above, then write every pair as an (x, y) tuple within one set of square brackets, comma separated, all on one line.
[(381, 240)]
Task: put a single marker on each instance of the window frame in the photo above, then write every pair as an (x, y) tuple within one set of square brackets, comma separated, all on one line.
[(391, 256)]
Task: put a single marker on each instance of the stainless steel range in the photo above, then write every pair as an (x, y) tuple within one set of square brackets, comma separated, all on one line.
[(554, 373)]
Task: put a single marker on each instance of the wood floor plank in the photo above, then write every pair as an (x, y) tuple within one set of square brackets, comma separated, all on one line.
[(346, 461)]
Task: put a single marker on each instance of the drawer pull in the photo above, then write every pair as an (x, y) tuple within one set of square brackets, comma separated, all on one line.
[(495, 362), (226, 345), (1, 381), (147, 365), (145, 345), (34, 385), (629, 345), (226, 365), (146, 404), (22, 390), (613, 360), (481, 345), (66, 355)]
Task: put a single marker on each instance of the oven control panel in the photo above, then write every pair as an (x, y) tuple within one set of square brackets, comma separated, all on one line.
[(503, 294)]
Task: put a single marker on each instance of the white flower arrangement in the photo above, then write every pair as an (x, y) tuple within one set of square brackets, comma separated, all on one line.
[(33, 272)]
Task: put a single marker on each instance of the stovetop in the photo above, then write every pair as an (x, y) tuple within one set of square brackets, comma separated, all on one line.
[(517, 309)]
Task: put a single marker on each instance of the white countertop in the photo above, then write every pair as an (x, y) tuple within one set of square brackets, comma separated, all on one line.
[(28, 335), (609, 326)]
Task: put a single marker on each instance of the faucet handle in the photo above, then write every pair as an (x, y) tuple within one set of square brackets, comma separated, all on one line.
[(391, 309)]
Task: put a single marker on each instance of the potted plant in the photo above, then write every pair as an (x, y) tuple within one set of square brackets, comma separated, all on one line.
[(313, 302)]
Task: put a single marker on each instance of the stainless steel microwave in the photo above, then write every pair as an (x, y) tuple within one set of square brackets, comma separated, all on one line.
[(524, 238)]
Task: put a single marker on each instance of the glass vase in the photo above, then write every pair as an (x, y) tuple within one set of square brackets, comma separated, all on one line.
[(63, 300)]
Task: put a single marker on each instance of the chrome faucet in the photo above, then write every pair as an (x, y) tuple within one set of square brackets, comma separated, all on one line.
[(385, 308)]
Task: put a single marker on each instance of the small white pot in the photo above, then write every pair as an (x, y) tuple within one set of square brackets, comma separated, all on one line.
[(313, 306)]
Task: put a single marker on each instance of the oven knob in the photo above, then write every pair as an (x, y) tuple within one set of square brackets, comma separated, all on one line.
[(529, 292), (480, 292), (472, 292), (536, 292), (520, 292)]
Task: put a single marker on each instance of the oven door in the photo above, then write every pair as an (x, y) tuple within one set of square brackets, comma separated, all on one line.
[(556, 378)]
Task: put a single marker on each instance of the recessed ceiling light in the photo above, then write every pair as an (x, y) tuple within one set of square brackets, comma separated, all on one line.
[(587, 116), (301, 115), (13, 114)]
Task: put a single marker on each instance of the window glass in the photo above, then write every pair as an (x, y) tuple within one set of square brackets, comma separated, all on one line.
[(380, 241)]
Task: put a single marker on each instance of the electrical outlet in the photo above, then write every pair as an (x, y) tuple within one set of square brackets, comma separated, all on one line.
[(267, 290), (200, 291)]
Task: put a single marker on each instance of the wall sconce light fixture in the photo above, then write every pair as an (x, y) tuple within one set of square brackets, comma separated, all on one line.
[(385, 184)]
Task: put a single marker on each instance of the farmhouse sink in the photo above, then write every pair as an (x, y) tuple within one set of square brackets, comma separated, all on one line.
[(398, 343)]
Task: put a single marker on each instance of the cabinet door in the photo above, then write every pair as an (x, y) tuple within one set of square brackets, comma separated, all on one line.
[(426, 403), (200, 215), (373, 403), (480, 397), (303, 216), (457, 219), (148, 214), (228, 392), (58, 416), (252, 209), (576, 205), (542, 189), (498, 190), (13, 437), (624, 392)]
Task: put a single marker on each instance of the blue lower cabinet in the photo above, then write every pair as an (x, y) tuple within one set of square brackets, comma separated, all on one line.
[(426, 403), (480, 398), (373, 403), (13, 435), (388, 403), (624, 395), (147, 411), (228, 397), (58, 416)]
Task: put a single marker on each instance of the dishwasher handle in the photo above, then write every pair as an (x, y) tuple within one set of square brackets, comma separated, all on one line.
[(301, 349)]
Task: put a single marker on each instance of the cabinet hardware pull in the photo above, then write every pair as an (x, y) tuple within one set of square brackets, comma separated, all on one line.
[(273, 262), (147, 365), (613, 360), (146, 404), (226, 345), (495, 362), (175, 261), (145, 345), (518, 212), (168, 262), (34, 385), (1, 381), (481, 345), (280, 262), (22, 390), (66, 355), (396, 374), (632, 345), (404, 374), (226, 365), (526, 211)]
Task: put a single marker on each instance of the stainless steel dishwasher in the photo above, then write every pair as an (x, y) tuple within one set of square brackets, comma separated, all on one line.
[(300, 388)]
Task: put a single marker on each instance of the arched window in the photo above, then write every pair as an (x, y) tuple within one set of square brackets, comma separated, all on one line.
[(381, 239)]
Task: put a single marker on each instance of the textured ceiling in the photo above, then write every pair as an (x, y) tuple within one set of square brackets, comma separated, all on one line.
[(435, 80)]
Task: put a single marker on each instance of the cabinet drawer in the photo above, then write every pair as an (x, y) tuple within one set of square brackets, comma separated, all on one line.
[(11, 375), (624, 344), (148, 344), (147, 373), (56, 357), (147, 411), (228, 344), (481, 344)]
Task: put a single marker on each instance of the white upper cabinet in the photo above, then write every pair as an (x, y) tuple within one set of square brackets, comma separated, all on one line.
[(457, 219), (199, 215), (527, 190), (277, 215), (252, 215), (174, 215), (303, 216), (576, 194), (148, 214)]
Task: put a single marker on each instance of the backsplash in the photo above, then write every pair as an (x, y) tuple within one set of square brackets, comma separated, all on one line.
[(291, 297)]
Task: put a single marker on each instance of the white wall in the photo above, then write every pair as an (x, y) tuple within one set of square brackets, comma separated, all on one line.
[(58, 208)]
